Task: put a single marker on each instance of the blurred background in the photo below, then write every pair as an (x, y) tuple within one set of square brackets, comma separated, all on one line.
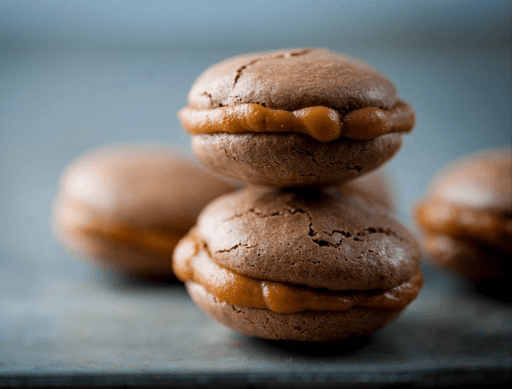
[(76, 75)]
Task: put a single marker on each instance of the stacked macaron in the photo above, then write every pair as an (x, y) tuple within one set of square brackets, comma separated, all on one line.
[(308, 254)]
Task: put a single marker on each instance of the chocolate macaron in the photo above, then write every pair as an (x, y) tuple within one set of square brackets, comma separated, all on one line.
[(298, 117), (306, 265), (126, 207), (466, 217)]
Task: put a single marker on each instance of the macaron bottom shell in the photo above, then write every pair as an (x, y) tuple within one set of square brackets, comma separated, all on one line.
[(290, 159), (321, 326)]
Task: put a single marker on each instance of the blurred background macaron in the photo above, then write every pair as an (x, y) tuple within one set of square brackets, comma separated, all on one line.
[(466, 217), (127, 206), (375, 186)]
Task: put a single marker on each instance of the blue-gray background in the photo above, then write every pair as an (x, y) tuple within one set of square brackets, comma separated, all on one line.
[(76, 75), (79, 74)]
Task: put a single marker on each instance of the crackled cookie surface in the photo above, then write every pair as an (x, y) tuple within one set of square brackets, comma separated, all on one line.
[(321, 117), (279, 255), (127, 206)]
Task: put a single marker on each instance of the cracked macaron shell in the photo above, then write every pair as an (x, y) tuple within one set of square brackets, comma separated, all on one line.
[(291, 80), (319, 239)]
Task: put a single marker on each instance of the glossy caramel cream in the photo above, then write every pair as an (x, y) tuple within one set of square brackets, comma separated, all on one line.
[(82, 221), (322, 123), (192, 263), (440, 217)]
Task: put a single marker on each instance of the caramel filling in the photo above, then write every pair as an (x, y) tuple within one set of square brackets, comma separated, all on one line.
[(441, 217), (322, 123), (193, 264), (82, 222)]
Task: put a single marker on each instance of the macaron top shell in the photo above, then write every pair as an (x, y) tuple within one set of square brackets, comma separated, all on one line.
[(332, 240), (481, 181), (291, 80), (151, 186)]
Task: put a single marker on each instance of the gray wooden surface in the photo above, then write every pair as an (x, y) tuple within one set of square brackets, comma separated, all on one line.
[(77, 326)]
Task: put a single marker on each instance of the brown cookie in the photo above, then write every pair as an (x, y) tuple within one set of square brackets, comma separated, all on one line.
[(261, 259), (466, 216), (127, 206), (294, 118)]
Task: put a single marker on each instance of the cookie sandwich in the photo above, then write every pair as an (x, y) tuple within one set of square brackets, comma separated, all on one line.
[(307, 265), (302, 117)]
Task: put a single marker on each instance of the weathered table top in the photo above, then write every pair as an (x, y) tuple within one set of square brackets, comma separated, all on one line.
[(79, 326)]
